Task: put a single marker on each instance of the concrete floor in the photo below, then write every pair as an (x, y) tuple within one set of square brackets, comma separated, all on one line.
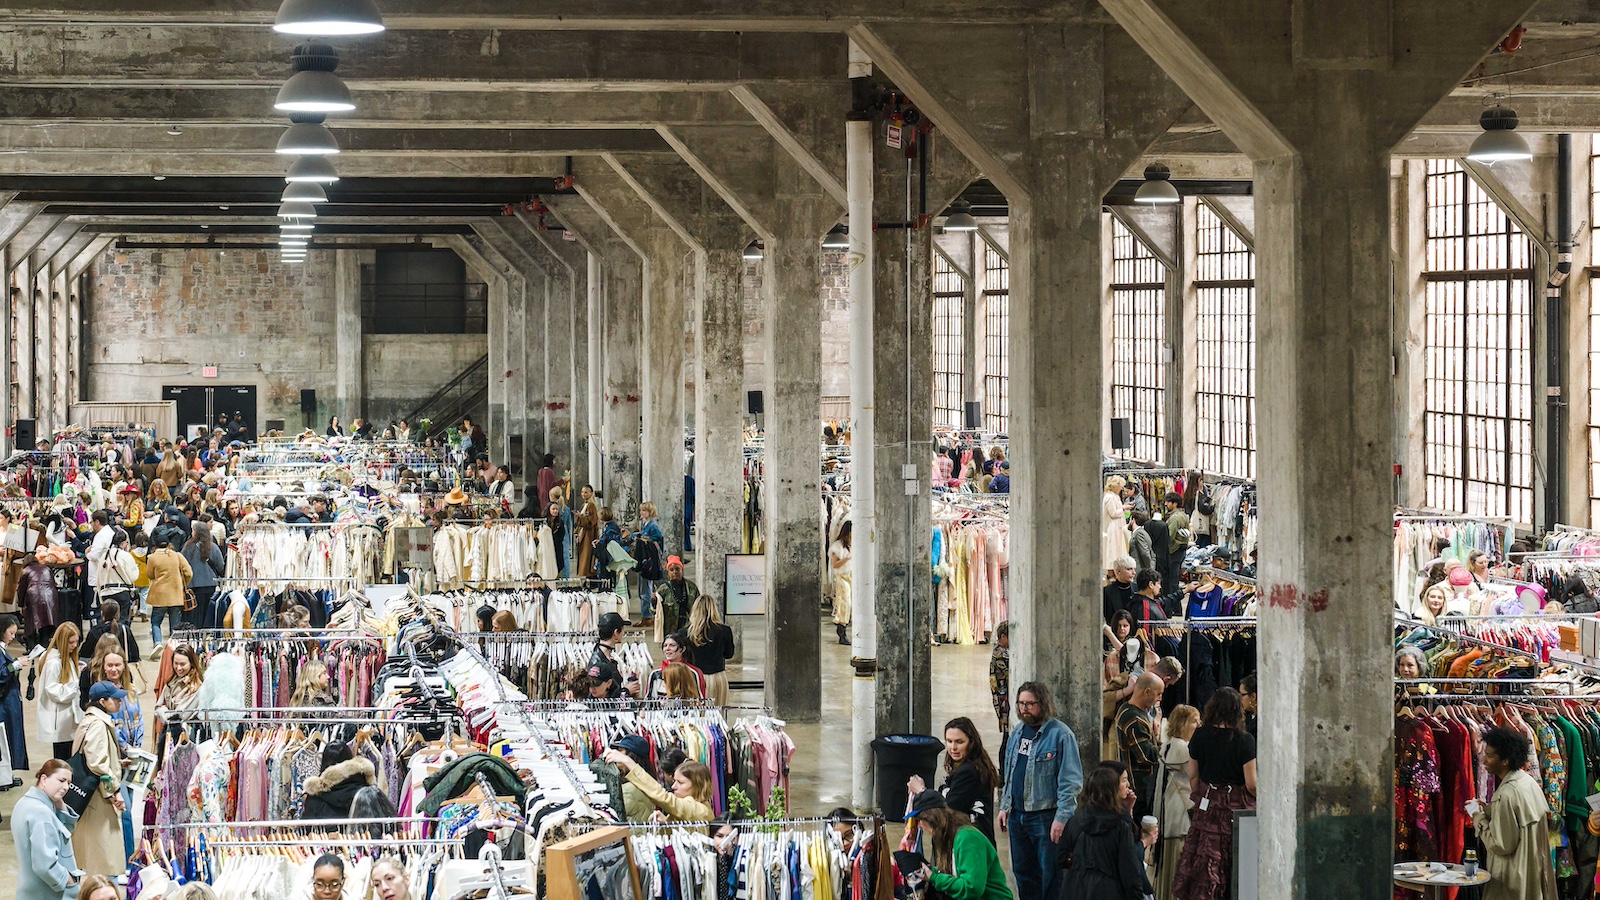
[(960, 687)]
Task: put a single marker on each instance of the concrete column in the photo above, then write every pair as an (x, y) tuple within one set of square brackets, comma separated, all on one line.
[(566, 350), (22, 300), (758, 172), (348, 351), (595, 370), (719, 417), (1318, 98), (903, 404), (43, 362), (664, 352), (793, 390), (562, 347), (500, 291), (1054, 154), (516, 372), (624, 302)]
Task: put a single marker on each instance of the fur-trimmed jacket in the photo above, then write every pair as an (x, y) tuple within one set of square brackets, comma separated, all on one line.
[(329, 795)]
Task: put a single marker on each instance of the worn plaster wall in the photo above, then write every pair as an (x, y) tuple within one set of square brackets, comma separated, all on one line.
[(157, 316)]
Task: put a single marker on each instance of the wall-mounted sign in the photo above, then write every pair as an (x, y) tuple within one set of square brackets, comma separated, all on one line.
[(747, 584)]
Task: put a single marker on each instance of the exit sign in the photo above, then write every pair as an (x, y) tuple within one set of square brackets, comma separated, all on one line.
[(208, 371)]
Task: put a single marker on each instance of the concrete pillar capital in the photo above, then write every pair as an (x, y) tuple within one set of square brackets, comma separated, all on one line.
[(1282, 76)]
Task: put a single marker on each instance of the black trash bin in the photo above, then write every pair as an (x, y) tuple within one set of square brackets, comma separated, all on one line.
[(898, 757)]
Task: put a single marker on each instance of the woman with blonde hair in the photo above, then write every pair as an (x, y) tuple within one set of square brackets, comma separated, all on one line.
[(680, 682), (1113, 524), (710, 646), (59, 711), (1172, 794), (311, 688), (170, 470), (159, 494), (690, 798)]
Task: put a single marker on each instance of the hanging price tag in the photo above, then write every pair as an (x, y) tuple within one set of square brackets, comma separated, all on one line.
[(894, 136)]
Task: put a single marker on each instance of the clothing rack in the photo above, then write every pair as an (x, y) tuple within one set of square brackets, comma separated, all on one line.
[(311, 824), (1225, 575), (1526, 681), (601, 706)]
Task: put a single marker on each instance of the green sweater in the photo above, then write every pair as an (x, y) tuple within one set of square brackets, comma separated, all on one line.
[(977, 870)]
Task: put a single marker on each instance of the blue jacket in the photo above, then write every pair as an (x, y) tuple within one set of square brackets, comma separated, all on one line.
[(1054, 774), (43, 838)]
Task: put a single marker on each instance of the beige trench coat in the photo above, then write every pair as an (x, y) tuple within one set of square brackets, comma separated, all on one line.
[(97, 841)]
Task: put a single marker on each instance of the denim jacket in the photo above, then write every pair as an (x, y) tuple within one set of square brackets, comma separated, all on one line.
[(1054, 774)]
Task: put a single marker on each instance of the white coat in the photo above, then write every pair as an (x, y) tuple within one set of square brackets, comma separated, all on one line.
[(58, 712)]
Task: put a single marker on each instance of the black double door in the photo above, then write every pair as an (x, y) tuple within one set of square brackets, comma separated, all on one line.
[(200, 405)]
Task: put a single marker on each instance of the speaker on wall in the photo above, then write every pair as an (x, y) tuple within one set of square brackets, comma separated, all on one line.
[(1121, 434), (756, 405), (24, 437), (974, 415), (308, 402)]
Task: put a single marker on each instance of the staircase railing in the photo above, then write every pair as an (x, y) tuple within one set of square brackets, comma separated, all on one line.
[(456, 399)]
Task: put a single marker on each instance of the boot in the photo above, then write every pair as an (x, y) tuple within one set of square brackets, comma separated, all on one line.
[(33, 673), (844, 634)]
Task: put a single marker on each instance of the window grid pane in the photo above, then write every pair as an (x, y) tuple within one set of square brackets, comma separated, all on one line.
[(1478, 415), (997, 341), (949, 344), (1225, 344), (1138, 343)]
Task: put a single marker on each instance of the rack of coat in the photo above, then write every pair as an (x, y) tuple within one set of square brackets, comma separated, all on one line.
[(752, 753), (971, 559), (780, 858), (543, 664), (274, 658), (493, 552), (1439, 767), (1572, 579), (752, 531), (1223, 515), (252, 765), (280, 551), (1421, 537), (1152, 485), (1215, 652), (1486, 650)]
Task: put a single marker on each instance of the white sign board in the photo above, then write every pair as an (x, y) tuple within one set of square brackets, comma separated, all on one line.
[(747, 584)]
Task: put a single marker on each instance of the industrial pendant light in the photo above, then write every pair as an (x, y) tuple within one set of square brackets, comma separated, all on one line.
[(328, 17), (306, 139), (313, 88), (837, 238), (305, 192), (1499, 141), (314, 92), (960, 219), (754, 252), (313, 169), (296, 225), (1157, 189), (297, 209)]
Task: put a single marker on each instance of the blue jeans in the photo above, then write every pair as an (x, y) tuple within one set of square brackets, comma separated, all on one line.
[(1033, 854), (173, 615), (127, 823), (647, 596)]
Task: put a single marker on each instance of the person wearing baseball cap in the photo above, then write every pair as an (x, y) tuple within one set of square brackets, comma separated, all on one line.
[(634, 801), (960, 862), (602, 662), (97, 840)]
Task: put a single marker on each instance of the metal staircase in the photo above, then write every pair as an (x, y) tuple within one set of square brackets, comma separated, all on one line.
[(464, 396)]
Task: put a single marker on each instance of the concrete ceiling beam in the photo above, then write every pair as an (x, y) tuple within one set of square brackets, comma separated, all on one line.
[(134, 107), (355, 166), (566, 15), (88, 255), (473, 60), (213, 140), (29, 238)]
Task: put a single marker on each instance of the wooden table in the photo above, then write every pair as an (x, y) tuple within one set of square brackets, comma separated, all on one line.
[(1425, 878)]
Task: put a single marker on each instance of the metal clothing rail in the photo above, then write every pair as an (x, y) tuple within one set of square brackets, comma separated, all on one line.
[(1568, 684), (1225, 575), (603, 706), (329, 824)]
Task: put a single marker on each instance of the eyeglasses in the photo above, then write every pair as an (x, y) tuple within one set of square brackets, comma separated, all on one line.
[(328, 886), (1028, 703)]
